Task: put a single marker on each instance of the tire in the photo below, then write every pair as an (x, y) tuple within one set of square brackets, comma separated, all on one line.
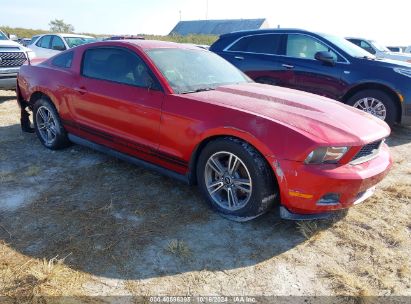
[(373, 97), (251, 182), (48, 126)]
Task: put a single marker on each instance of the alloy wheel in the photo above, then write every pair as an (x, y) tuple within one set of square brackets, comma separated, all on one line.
[(372, 106), (228, 181), (46, 125)]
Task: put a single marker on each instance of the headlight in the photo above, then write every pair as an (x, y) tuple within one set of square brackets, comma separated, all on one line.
[(405, 72), (326, 155)]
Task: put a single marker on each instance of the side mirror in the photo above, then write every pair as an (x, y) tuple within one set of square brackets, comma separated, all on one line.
[(59, 48), (325, 57)]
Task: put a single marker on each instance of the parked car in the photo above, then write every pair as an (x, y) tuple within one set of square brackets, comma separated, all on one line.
[(379, 50), (188, 113), (25, 41), (322, 64), (46, 46), (395, 49), (124, 37), (34, 39), (12, 56)]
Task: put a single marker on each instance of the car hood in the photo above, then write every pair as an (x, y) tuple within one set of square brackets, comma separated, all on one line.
[(4, 44), (385, 62), (323, 118), (9, 43), (396, 56)]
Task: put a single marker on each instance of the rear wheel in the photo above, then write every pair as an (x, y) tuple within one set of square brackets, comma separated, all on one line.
[(235, 179), (377, 103), (48, 126)]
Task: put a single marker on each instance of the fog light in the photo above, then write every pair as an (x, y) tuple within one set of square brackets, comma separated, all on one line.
[(329, 199)]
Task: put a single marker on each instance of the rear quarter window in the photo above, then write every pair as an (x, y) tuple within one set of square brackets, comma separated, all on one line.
[(260, 44), (63, 61)]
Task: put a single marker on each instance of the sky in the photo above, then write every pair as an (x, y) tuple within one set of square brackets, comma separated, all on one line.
[(386, 22)]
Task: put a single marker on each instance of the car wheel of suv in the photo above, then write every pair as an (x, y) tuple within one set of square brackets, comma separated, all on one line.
[(235, 179), (377, 103), (48, 126)]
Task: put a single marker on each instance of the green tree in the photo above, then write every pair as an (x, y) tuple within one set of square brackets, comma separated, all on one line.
[(58, 25)]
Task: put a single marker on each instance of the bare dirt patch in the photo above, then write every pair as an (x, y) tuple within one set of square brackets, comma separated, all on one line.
[(76, 222)]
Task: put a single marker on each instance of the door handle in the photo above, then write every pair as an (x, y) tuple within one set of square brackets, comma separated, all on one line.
[(81, 90), (239, 57), (288, 66)]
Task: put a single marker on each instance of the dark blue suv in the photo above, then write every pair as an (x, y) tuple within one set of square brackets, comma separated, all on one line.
[(322, 64)]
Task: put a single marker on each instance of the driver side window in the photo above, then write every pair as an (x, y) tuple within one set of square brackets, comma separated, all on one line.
[(44, 42), (117, 65), (303, 46), (57, 44)]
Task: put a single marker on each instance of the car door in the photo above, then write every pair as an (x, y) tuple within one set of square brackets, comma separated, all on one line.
[(260, 57), (42, 46), (312, 75), (118, 101), (57, 45)]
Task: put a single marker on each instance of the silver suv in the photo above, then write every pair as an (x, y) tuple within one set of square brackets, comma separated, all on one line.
[(12, 56)]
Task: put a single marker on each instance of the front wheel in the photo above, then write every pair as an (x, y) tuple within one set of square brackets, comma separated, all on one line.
[(377, 103), (235, 179)]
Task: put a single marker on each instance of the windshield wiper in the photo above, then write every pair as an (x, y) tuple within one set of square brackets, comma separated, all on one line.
[(366, 57), (199, 90)]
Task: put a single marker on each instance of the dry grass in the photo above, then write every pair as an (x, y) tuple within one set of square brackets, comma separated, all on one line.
[(375, 242), (179, 248), (25, 279), (7, 177), (308, 228), (33, 170)]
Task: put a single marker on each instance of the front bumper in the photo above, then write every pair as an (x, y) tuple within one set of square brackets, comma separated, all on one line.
[(302, 186), (405, 95), (8, 81)]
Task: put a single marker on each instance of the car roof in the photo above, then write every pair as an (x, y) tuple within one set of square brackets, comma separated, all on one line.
[(73, 35), (147, 44), (266, 31), (358, 38), (65, 35)]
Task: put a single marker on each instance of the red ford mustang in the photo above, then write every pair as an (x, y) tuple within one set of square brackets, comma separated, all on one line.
[(191, 115)]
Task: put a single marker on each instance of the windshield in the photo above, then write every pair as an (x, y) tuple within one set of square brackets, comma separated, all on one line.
[(3, 36), (75, 41), (379, 47), (348, 47), (188, 70), (33, 39)]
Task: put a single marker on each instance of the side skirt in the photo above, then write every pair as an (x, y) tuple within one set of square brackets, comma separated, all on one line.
[(141, 163)]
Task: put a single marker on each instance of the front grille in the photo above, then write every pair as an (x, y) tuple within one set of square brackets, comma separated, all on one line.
[(367, 152), (12, 59)]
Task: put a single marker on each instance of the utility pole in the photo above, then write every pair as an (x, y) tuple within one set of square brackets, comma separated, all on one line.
[(180, 14), (206, 9)]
